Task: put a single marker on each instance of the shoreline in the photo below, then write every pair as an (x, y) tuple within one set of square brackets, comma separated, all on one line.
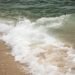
[(8, 66)]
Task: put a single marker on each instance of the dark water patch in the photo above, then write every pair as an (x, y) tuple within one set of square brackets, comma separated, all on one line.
[(37, 8)]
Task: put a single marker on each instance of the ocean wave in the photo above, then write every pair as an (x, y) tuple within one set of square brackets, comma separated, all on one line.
[(32, 45)]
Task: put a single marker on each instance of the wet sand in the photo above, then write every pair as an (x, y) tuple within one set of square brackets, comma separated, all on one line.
[(7, 64)]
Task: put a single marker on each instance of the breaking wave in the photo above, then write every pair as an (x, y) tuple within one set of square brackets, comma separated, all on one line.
[(32, 45)]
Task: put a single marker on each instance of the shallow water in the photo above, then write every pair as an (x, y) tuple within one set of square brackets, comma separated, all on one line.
[(67, 31)]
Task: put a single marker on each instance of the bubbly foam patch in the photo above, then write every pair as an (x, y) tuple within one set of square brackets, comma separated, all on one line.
[(43, 54)]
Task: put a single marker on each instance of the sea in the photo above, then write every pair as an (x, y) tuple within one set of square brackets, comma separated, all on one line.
[(40, 34)]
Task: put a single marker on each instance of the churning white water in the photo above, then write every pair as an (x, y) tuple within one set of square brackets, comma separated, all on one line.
[(32, 45)]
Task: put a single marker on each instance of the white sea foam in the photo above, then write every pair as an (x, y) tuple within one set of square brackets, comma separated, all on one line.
[(4, 27), (44, 54)]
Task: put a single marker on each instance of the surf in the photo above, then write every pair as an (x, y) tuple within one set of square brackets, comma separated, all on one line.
[(43, 53)]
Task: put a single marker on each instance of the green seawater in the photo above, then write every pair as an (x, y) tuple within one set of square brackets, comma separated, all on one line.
[(35, 9), (67, 31)]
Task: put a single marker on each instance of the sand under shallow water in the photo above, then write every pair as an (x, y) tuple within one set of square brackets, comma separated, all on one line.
[(7, 64)]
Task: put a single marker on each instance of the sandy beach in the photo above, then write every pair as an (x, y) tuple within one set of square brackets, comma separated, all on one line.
[(7, 64)]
